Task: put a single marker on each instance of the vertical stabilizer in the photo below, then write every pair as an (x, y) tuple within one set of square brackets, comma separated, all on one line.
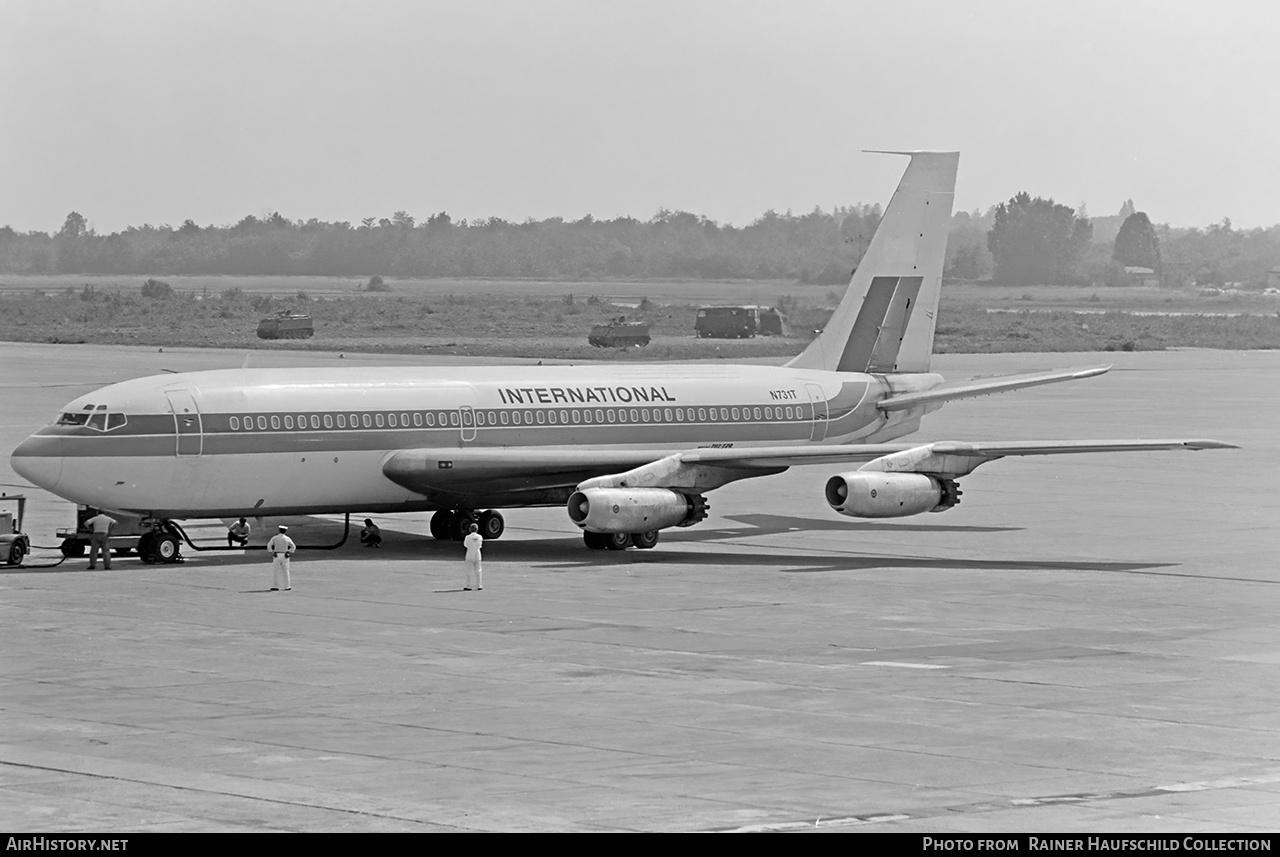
[(886, 319)]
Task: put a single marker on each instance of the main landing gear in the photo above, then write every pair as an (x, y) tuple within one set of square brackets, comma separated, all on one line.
[(453, 525), (619, 541)]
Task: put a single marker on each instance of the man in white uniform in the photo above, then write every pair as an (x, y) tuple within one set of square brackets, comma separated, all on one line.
[(473, 541), (281, 547), (99, 530)]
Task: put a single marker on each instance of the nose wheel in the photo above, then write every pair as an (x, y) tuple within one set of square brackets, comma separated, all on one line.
[(161, 547)]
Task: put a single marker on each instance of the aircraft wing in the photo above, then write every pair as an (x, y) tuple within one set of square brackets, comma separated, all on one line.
[(464, 470), (984, 387)]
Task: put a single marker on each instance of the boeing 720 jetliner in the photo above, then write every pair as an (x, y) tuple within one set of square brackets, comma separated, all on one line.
[(630, 450)]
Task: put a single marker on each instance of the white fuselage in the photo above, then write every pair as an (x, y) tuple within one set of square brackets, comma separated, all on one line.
[(279, 441)]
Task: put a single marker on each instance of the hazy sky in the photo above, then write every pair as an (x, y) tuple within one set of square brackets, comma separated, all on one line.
[(143, 111)]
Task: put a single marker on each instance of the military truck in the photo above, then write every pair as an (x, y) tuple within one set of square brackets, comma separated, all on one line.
[(737, 322), (14, 543), (620, 333), (286, 325)]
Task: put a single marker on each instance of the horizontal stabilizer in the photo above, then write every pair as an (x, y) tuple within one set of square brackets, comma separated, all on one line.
[(969, 389)]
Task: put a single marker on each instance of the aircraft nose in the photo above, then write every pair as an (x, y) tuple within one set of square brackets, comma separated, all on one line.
[(35, 464)]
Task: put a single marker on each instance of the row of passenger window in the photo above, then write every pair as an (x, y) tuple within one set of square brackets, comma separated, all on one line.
[(467, 418)]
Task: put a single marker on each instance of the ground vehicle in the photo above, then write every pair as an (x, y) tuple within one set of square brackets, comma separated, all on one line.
[(286, 325), (619, 333), (14, 544), (737, 322), (125, 536)]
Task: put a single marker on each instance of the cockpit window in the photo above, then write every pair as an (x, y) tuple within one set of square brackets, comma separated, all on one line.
[(96, 417)]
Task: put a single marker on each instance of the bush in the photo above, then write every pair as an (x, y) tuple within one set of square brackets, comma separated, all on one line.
[(157, 290), (376, 284)]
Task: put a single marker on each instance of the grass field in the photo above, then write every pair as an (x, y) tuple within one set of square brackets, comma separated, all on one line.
[(551, 319)]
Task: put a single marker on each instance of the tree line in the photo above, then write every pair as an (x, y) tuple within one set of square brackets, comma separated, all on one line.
[(1024, 241)]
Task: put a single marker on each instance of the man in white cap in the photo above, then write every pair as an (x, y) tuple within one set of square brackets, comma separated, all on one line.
[(281, 547)]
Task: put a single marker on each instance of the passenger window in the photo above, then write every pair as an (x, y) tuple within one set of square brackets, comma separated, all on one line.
[(391, 420), (702, 415), (288, 421), (542, 417), (417, 419), (515, 417), (528, 418), (611, 415), (600, 416), (275, 422), (577, 417), (368, 421), (755, 412), (564, 416), (454, 419), (503, 416), (328, 421), (377, 418), (430, 418), (404, 420), (342, 420), (734, 413), (262, 423), (235, 424)]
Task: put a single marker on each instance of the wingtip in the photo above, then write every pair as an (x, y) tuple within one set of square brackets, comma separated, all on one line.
[(1209, 444)]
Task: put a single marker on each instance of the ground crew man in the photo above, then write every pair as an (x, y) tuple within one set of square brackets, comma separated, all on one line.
[(281, 547), (238, 534), (99, 530), (371, 536), (473, 541)]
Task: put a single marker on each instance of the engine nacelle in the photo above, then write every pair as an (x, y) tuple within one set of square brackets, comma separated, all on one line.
[(870, 494), (634, 510)]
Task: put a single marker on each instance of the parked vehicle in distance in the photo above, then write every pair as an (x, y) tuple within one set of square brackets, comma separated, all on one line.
[(286, 325), (737, 322), (620, 333)]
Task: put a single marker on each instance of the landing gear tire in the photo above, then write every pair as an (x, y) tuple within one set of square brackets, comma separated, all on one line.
[(618, 541), (71, 547), (595, 541), (17, 551), (146, 544), (491, 524), (462, 525), (644, 541), (443, 525), (165, 548)]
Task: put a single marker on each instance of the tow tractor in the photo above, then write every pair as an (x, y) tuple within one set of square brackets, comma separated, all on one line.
[(129, 534), (14, 543)]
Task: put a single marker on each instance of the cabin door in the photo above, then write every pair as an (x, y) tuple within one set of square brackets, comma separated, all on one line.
[(186, 421), (818, 402)]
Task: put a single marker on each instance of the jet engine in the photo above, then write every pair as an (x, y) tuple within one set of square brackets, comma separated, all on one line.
[(634, 510), (871, 494)]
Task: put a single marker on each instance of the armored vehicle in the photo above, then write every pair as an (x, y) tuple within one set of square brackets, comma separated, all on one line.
[(620, 333), (286, 325)]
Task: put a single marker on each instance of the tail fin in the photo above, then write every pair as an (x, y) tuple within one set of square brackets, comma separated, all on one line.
[(886, 319)]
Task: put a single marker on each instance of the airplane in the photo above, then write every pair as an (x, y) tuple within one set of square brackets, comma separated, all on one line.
[(628, 450)]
